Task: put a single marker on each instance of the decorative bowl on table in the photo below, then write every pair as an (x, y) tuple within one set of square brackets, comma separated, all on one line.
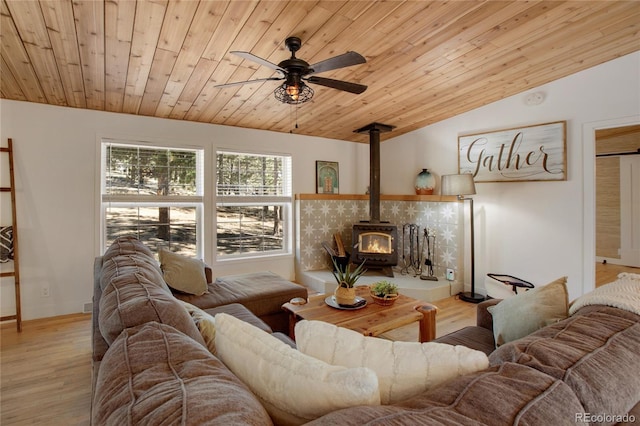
[(383, 293)]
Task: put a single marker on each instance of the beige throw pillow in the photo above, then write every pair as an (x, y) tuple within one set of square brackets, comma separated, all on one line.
[(293, 387), (206, 324), (183, 273), (527, 312), (404, 369)]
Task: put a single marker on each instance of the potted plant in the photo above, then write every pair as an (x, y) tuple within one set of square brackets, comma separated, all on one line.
[(345, 293), (384, 292)]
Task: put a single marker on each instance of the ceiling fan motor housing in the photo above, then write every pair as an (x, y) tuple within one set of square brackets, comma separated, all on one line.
[(295, 65)]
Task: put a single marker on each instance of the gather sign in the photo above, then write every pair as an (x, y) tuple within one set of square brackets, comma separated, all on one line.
[(520, 154)]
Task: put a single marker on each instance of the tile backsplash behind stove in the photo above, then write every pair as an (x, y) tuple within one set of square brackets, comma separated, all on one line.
[(317, 220)]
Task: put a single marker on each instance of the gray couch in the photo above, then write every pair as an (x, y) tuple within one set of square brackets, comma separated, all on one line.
[(139, 325), (151, 366), (582, 370), (479, 336)]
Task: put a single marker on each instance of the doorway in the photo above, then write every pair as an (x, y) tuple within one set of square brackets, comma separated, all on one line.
[(617, 187), (589, 194)]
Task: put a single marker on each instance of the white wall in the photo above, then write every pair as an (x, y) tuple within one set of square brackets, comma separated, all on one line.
[(533, 230), (56, 156)]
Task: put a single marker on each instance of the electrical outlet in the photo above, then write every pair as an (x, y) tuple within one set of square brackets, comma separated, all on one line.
[(450, 274), (44, 292)]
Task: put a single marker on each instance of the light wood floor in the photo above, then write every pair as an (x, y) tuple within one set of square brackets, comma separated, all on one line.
[(45, 371)]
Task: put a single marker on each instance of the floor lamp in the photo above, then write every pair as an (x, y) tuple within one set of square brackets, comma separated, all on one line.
[(461, 185)]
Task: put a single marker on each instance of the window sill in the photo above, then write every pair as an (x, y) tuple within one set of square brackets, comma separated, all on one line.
[(253, 258)]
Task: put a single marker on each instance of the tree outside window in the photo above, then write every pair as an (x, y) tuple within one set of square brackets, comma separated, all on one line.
[(253, 204), (153, 193)]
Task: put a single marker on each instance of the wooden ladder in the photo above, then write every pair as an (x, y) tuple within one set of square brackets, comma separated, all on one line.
[(14, 223)]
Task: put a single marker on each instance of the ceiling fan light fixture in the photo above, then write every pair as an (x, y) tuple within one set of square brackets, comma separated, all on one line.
[(295, 93)]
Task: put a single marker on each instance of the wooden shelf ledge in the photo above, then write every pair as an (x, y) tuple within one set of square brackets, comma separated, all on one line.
[(383, 197)]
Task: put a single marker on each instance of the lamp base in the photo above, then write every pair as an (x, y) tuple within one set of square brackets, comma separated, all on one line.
[(471, 297)]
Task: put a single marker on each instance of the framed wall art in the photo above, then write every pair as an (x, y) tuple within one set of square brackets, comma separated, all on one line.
[(530, 153), (327, 177)]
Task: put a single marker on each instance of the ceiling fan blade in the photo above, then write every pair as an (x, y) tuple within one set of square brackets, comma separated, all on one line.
[(338, 84), (345, 60), (258, 60), (239, 83)]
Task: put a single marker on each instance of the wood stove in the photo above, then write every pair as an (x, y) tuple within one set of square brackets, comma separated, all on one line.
[(375, 242)]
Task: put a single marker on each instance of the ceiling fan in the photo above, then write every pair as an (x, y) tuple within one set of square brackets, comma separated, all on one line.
[(296, 72)]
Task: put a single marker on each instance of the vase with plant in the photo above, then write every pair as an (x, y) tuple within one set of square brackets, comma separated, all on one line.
[(345, 293), (384, 292)]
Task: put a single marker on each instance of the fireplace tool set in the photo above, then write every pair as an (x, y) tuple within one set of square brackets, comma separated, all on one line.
[(428, 262), (412, 261)]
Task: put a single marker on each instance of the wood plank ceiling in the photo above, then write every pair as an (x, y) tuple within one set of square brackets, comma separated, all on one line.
[(426, 60)]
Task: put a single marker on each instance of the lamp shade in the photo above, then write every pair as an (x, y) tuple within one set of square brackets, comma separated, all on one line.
[(458, 185)]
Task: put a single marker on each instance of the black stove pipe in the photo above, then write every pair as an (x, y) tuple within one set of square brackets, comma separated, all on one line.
[(374, 130)]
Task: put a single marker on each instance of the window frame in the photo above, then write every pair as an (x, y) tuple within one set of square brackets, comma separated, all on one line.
[(196, 201), (286, 201)]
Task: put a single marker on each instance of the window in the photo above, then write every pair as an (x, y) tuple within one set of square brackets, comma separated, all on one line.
[(154, 193), (253, 204)]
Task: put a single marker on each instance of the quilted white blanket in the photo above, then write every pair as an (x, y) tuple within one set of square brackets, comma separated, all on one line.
[(623, 293)]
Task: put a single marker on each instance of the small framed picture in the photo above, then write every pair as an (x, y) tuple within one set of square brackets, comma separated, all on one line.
[(327, 177)]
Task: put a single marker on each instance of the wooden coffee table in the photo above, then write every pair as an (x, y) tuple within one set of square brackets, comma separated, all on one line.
[(372, 320)]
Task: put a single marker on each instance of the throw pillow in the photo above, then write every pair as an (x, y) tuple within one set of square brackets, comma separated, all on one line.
[(183, 273), (6, 243), (527, 312), (206, 325), (404, 369), (293, 387)]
